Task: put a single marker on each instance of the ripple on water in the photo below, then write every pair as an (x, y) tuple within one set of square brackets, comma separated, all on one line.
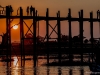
[(41, 70)]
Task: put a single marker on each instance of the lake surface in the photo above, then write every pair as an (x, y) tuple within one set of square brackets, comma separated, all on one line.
[(28, 69)]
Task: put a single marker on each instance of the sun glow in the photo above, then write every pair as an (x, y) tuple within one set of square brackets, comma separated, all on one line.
[(15, 64), (15, 27)]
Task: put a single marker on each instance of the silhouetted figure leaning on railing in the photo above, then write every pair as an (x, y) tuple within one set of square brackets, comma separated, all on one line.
[(4, 41)]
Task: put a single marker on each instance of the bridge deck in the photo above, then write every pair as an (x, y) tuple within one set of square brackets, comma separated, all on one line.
[(49, 18)]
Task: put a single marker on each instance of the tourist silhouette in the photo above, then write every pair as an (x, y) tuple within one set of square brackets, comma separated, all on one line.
[(10, 9), (31, 11), (27, 10), (97, 14)]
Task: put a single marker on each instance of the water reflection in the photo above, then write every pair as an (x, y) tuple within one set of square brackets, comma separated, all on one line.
[(28, 69), (70, 72), (59, 71), (15, 65), (15, 62), (47, 70), (81, 72)]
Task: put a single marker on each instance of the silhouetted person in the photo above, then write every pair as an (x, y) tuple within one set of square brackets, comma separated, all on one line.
[(97, 14), (10, 9), (4, 40), (31, 11), (27, 10)]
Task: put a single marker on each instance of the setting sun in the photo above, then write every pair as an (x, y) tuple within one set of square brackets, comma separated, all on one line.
[(15, 27)]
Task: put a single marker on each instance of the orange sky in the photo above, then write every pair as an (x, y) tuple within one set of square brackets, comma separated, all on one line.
[(54, 6)]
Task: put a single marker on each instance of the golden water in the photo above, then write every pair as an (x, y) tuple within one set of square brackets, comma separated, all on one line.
[(28, 69)]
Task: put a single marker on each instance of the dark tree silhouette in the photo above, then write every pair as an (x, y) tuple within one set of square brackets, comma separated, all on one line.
[(86, 41), (93, 40), (29, 39), (77, 39), (40, 39), (64, 38)]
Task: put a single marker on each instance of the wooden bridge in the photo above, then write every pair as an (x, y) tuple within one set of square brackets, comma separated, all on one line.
[(69, 48)]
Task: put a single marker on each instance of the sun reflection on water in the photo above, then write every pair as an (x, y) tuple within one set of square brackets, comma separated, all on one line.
[(15, 66), (15, 62)]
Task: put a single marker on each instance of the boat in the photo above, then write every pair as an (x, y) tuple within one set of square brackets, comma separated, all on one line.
[(94, 67)]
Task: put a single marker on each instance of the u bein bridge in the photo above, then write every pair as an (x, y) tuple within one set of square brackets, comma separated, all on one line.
[(46, 48)]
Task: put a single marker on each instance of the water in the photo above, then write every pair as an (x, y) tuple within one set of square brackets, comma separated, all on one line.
[(28, 69)]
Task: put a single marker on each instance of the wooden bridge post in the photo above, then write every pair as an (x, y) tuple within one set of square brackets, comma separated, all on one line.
[(91, 28), (47, 34), (59, 36), (38, 28), (8, 33), (70, 31), (37, 31), (81, 32), (91, 32), (81, 28), (70, 72), (9, 36), (99, 23), (48, 70), (97, 57), (70, 36), (34, 37), (22, 38)]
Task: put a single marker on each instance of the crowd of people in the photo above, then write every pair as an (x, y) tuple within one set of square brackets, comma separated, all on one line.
[(29, 10)]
